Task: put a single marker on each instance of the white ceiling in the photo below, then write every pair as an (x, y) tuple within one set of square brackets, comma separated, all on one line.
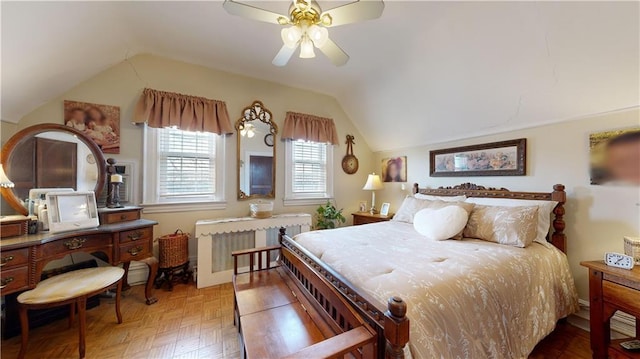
[(425, 72)]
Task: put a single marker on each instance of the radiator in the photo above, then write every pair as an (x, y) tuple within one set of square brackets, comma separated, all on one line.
[(218, 238)]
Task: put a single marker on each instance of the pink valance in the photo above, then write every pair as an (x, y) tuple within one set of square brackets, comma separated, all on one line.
[(300, 126), (189, 113)]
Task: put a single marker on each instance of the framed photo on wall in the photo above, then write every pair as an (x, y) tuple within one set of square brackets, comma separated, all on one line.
[(614, 157), (100, 122), (506, 158), (394, 169)]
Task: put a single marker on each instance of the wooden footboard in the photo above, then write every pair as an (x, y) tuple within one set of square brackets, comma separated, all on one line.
[(391, 324)]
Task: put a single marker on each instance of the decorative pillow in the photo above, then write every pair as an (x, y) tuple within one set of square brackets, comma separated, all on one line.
[(514, 226), (412, 205), (440, 224), (440, 198), (544, 211)]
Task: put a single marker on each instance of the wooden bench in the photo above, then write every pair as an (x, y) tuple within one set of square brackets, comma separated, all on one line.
[(295, 313)]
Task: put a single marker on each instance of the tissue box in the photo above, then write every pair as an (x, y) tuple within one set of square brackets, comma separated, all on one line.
[(632, 248), (261, 209)]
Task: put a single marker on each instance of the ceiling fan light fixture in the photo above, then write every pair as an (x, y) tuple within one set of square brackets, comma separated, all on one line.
[(291, 36), (326, 20), (306, 48), (319, 35)]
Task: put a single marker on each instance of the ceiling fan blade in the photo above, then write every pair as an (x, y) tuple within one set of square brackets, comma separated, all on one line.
[(354, 12), (284, 55), (337, 56), (251, 12)]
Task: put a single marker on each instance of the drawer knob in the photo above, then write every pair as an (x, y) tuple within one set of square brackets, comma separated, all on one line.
[(5, 282), (75, 243), (123, 216), (135, 236), (135, 251), (5, 260)]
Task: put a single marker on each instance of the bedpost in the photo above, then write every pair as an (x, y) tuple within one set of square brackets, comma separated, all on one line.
[(396, 328), (282, 233), (558, 238), (416, 188)]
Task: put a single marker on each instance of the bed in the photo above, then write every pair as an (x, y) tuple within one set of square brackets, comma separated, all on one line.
[(466, 298)]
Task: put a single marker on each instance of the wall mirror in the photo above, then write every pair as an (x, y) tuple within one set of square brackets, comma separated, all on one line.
[(256, 153), (51, 156)]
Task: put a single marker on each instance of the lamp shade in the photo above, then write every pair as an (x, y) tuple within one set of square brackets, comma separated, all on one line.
[(373, 183), (5, 182)]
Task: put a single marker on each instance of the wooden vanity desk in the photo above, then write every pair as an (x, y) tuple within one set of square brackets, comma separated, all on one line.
[(121, 238)]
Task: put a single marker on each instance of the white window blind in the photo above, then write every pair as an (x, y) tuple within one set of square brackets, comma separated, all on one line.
[(183, 170), (309, 175), (309, 167), (187, 163)]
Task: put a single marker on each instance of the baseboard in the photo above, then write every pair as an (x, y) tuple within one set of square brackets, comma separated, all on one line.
[(622, 324), (138, 271)]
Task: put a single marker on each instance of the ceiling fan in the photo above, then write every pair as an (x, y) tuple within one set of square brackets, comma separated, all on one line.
[(309, 25)]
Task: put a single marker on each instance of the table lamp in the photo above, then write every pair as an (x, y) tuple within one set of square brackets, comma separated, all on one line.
[(5, 182), (373, 184)]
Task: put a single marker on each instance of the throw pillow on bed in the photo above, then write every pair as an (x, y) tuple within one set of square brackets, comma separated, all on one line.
[(412, 205), (442, 223), (514, 226)]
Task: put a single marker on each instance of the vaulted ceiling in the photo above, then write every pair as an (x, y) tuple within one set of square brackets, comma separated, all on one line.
[(425, 72)]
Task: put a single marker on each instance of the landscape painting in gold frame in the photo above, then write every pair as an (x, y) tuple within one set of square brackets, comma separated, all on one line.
[(505, 158)]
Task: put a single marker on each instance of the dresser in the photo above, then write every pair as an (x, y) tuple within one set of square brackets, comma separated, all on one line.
[(611, 289), (366, 217), (121, 238)]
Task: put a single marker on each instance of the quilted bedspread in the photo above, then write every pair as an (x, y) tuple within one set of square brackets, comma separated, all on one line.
[(466, 298)]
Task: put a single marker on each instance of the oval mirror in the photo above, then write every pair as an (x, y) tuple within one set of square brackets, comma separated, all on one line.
[(51, 156), (256, 153)]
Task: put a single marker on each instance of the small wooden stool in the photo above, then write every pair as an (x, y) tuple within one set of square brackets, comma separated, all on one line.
[(71, 288)]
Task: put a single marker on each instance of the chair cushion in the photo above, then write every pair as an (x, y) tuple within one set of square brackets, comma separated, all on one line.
[(71, 285)]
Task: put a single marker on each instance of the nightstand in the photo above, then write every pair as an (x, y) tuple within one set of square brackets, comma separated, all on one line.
[(611, 289), (366, 217)]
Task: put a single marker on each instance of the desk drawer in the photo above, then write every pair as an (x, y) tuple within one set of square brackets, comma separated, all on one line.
[(76, 244), (13, 280), (136, 235), (628, 299), (135, 251), (13, 258), (121, 216)]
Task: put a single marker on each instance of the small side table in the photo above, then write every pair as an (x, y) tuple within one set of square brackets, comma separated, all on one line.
[(366, 217), (611, 289)]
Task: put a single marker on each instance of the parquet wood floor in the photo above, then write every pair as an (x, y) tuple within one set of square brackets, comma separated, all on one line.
[(194, 323)]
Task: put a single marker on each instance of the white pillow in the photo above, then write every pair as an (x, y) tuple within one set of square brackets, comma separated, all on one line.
[(440, 224), (544, 211), (440, 198)]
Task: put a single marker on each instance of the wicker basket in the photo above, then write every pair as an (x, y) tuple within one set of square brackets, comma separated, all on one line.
[(632, 248), (174, 249)]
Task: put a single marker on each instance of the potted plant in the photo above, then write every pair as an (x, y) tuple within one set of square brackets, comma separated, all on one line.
[(327, 216)]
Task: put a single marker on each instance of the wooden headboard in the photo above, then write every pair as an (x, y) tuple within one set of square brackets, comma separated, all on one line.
[(558, 238)]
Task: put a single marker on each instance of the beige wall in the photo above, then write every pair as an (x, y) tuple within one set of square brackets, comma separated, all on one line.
[(122, 84), (597, 217)]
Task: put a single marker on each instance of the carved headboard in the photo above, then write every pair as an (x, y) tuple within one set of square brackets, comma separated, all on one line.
[(558, 238)]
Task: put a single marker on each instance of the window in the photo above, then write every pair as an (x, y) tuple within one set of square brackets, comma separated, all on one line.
[(309, 175), (182, 169)]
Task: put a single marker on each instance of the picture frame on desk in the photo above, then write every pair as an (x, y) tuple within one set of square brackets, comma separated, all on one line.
[(384, 210), (363, 206)]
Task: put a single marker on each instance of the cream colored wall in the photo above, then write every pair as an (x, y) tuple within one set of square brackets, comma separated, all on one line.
[(122, 84), (597, 217)]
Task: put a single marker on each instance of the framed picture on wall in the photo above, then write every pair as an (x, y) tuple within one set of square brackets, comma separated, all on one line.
[(506, 158), (394, 169), (614, 157), (100, 122)]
